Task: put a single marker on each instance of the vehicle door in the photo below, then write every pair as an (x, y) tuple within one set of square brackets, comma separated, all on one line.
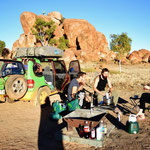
[(74, 69), (60, 74)]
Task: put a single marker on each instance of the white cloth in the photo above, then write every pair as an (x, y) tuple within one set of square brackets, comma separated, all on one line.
[(81, 96)]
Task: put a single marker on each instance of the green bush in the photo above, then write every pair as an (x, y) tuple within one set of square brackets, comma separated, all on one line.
[(2, 45), (63, 43)]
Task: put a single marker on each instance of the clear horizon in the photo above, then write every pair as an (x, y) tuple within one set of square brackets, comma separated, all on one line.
[(108, 17)]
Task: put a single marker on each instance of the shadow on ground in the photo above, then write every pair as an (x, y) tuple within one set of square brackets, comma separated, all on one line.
[(47, 130)]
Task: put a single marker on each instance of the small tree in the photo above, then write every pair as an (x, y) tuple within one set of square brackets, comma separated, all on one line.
[(63, 43), (43, 30), (121, 44), (2, 46)]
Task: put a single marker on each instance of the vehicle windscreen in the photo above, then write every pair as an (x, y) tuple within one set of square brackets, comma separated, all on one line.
[(10, 68)]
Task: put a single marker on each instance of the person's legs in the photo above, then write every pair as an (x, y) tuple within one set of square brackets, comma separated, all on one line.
[(99, 97), (115, 97), (145, 98)]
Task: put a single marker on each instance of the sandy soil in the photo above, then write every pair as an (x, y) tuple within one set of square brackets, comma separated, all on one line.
[(25, 126)]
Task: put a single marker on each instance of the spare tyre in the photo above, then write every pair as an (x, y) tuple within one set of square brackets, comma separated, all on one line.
[(16, 86)]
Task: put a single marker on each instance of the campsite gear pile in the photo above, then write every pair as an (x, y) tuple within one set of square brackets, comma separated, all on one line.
[(88, 131), (58, 108)]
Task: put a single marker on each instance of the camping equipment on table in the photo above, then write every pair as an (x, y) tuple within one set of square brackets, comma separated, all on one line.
[(132, 125), (73, 105), (61, 107), (108, 100)]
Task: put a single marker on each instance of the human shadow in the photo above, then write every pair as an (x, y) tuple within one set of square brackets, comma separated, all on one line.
[(47, 130)]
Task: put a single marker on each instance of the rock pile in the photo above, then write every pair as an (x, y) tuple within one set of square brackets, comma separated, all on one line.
[(140, 56), (84, 41)]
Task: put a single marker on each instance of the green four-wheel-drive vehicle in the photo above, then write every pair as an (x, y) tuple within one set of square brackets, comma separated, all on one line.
[(46, 72), (13, 84)]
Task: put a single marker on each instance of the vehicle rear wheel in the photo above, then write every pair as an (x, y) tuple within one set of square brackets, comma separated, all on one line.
[(43, 95), (16, 86)]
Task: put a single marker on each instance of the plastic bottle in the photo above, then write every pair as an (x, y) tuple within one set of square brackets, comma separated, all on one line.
[(105, 128), (91, 107), (102, 126), (92, 132), (99, 131), (86, 130), (118, 117)]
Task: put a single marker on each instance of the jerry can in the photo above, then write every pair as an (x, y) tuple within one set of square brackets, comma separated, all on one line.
[(132, 127)]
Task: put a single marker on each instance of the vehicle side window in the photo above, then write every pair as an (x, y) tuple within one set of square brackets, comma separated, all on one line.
[(11, 68), (48, 72), (59, 66), (37, 69), (74, 67)]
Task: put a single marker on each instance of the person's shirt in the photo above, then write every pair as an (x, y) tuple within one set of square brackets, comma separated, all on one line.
[(102, 83), (73, 83)]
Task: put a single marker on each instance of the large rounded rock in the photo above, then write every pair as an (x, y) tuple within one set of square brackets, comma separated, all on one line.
[(45, 18), (84, 37), (59, 32), (25, 41), (27, 20), (55, 16), (134, 56), (69, 55), (143, 52), (145, 59)]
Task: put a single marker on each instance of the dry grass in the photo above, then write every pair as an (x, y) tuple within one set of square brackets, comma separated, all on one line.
[(132, 76)]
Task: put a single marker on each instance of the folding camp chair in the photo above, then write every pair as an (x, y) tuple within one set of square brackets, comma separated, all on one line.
[(135, 103), (128, 106)]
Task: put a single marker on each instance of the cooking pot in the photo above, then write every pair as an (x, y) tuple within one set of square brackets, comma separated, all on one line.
[(108, 101)]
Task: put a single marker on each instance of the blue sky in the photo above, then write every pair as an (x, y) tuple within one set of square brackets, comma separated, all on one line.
[(107, 16)]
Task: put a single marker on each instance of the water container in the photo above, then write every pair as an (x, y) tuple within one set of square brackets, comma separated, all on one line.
[(132, 125), (99, 131), (132, 118)]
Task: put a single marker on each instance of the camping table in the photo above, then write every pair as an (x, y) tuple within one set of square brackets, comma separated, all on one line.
[(79, 116)]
